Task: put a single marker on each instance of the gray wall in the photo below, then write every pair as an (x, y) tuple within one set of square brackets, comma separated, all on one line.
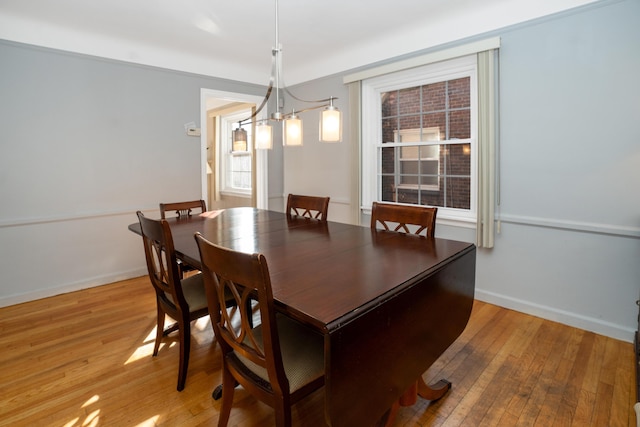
[(570, 170), (569, 247), (319, 168), (84, 143)]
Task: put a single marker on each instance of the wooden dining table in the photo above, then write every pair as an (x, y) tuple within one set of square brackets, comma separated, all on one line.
[(388, 304)]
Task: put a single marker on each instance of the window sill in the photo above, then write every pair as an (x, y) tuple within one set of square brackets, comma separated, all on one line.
[(443, 218), (236, 193), (457, 222)]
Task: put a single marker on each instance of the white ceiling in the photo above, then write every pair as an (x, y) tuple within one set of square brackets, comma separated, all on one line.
[(233, 38)]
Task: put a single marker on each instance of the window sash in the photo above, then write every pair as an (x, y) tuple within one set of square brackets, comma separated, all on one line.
[(236, 174)]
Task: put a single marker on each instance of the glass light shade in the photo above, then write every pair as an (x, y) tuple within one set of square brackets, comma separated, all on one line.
[(293, 131), (331, 125), (264, 136), (239, 137)]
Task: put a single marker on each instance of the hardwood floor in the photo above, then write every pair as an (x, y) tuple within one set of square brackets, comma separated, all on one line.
[(84, 359)]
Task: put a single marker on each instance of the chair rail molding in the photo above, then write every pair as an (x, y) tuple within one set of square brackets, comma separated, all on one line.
[(588, 227), (72, 217)]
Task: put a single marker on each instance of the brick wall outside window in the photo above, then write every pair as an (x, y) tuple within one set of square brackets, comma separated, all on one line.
[(444, 106)]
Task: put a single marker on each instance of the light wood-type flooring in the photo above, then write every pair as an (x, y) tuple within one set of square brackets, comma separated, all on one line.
[(84, 359)]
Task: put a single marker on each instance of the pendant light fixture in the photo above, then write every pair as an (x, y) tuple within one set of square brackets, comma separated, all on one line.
[(292, 131), (239, 140), (264, 136), (331, 124), (330, 118)]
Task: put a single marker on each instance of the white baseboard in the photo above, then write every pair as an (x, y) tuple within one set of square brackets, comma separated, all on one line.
[(568, 318), (72, 287)]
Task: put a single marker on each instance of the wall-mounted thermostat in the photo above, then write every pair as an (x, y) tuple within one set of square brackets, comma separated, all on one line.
[(191, 129)]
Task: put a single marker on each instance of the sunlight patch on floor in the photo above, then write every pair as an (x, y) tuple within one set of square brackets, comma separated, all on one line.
[(151, 422), (202, 330), (91, 400), (92, 419), (145, 350), (202, 323)]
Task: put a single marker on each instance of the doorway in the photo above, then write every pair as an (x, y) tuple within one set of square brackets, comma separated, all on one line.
[(212, 103)]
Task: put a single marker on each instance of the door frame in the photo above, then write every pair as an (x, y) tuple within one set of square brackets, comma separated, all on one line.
[(261, 169)]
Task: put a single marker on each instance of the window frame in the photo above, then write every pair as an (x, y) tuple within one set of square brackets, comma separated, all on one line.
[(373, 87)]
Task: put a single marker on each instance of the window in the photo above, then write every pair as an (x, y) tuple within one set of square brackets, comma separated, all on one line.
[(235, 161), (420, 136)]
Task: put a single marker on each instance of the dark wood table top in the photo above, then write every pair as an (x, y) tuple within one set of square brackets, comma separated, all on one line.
[(321, 273)]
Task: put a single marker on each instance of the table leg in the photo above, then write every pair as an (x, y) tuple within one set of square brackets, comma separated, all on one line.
[(427, 391), (410, 396), (433, 391), (389, 417)]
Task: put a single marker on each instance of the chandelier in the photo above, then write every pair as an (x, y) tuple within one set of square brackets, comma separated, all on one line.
[(330, 117)]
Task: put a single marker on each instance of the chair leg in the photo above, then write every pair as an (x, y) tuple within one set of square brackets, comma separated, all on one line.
[(283, 412), (159, 329), (185, 346), (228, 389), (217, 392)]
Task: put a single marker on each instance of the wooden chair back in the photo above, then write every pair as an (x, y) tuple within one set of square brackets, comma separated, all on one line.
[(253, 357), (161, 259), (182, 209), (398, 217), (308, 206)]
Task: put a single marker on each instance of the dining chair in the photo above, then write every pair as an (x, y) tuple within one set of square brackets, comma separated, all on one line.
[(183, 210), (184, 300), (308, 206), (398, 217), (280, 361)]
